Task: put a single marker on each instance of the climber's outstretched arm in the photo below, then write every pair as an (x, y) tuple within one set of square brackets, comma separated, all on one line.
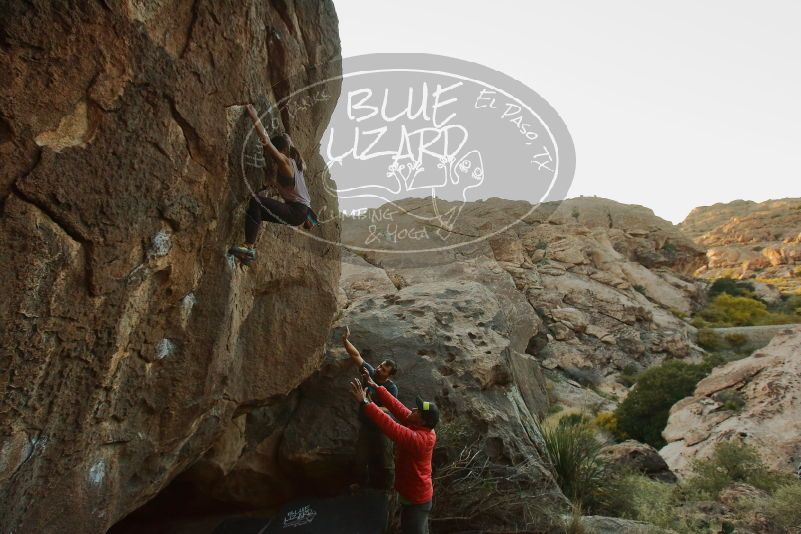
[(352, 351), (284, 166)]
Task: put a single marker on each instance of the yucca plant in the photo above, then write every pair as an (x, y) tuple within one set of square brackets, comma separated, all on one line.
[(572, 452)]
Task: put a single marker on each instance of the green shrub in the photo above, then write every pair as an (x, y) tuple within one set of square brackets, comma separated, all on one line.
[(790, 304), (710, 340), (736, 340), (683, 507), (726, 310), (711, 361), (731, 287), (783, 507), (639, 288), (644, 412), (730, 462), (678, 313), (572, 452), (628, 375), (731, 399), (627, 380), (574, 419), (650, 501), (635, 496), (713, 342)]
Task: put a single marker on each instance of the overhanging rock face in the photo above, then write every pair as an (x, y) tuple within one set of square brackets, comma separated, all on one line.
[(129, 340)]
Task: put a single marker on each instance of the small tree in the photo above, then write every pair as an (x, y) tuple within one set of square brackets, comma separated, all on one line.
[(730, 462), (644, 413)]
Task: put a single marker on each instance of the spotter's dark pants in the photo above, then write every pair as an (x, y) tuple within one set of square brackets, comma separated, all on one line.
[(414, 518)]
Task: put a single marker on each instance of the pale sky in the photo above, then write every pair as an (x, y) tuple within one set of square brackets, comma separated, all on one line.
[(671, 104)]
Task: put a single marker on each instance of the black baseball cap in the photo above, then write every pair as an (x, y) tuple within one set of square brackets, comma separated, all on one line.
[(428, 410)]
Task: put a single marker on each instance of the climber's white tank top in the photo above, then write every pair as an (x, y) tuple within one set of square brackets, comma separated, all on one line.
[(299, 193)]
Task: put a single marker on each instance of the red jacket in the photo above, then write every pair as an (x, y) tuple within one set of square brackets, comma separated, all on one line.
[(413, 448)]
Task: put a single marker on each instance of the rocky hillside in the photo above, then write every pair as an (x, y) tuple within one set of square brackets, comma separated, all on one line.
[(130, 342), (602, 277), (749, 240), (756, 400)]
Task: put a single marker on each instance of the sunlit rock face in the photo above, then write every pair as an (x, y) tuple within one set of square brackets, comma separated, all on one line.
[(753, 401), (760, 242), (130, 342), (606, 281)]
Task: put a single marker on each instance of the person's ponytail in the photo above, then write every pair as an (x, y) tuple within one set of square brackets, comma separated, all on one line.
[(282, 142)]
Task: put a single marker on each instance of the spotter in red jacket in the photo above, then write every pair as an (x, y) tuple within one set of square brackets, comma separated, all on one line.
[(414, 446)]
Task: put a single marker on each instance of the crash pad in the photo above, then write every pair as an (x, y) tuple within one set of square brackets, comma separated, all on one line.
[(360, 513)]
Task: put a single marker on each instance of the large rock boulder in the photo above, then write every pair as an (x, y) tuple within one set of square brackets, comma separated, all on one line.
[(640, 457), (130, 342), (754, 400)]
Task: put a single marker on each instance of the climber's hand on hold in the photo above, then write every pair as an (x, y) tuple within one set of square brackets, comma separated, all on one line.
[(352, 351), (357, 391)]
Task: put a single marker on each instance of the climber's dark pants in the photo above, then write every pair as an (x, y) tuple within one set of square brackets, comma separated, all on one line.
[(375, 467), (262, 208), (414, 518)]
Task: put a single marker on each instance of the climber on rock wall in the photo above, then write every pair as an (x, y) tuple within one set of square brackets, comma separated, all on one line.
[(373, 459), (296, 208), (414, 439)]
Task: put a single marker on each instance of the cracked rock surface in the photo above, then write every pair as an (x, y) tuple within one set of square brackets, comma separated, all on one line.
[(129, 340)]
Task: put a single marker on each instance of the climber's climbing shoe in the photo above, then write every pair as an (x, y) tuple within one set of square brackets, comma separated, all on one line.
[(245, 255)]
